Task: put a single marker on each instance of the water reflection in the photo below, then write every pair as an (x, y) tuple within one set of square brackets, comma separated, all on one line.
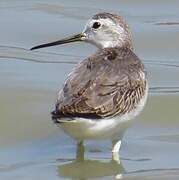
[(82, 168), (91, 169)]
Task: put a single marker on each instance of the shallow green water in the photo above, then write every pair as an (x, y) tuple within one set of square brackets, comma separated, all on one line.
[(31, 146)]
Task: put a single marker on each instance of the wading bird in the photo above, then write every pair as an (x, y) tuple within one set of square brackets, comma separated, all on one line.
[(106, 90)]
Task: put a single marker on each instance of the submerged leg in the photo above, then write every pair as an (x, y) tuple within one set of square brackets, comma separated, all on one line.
[(80, 151), (116, 144)]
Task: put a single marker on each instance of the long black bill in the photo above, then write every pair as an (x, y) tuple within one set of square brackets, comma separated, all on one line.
[(74, 38)]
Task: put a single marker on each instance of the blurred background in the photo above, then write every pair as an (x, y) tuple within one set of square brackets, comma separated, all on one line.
[(31, 146)]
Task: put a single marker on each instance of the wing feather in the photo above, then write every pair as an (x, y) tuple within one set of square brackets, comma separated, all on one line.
[(102, 86)]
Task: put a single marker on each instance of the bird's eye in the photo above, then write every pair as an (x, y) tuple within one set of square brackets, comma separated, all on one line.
[(96, 25)]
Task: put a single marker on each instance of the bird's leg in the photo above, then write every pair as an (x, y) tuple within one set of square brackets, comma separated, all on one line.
[(80, 151), (116, 144)]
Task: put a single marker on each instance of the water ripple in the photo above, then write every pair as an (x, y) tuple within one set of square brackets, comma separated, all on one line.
[(22, 54), (162, 89), (18, 53), (167, 23)]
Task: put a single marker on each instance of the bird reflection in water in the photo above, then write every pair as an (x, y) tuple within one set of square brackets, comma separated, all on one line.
[(82, 168)]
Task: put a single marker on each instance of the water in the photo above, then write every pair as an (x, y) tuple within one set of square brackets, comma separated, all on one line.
[(31, 146)]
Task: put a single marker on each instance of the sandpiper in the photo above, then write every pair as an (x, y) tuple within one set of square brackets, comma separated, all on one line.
[(106, 90)]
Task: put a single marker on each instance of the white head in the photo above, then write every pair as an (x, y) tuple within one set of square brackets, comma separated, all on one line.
[(107, 30), (102, 30)]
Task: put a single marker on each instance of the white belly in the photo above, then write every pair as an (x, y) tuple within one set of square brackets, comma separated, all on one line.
[(81, 129), (107, 128)]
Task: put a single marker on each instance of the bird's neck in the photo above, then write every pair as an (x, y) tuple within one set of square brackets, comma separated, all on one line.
[(119, 44)]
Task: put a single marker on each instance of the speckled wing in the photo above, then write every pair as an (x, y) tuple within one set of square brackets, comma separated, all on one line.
[(109, 83)]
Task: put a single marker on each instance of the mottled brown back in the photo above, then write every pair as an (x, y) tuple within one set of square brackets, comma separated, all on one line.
[(109, 83)]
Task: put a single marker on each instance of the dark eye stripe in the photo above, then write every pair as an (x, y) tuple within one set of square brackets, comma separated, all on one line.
[(96, 25)]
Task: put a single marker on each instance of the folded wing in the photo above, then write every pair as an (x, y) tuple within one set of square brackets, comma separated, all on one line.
[(109, 83)]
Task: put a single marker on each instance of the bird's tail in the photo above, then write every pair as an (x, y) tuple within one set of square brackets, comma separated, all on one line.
[(55, 116), (58, 117)]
